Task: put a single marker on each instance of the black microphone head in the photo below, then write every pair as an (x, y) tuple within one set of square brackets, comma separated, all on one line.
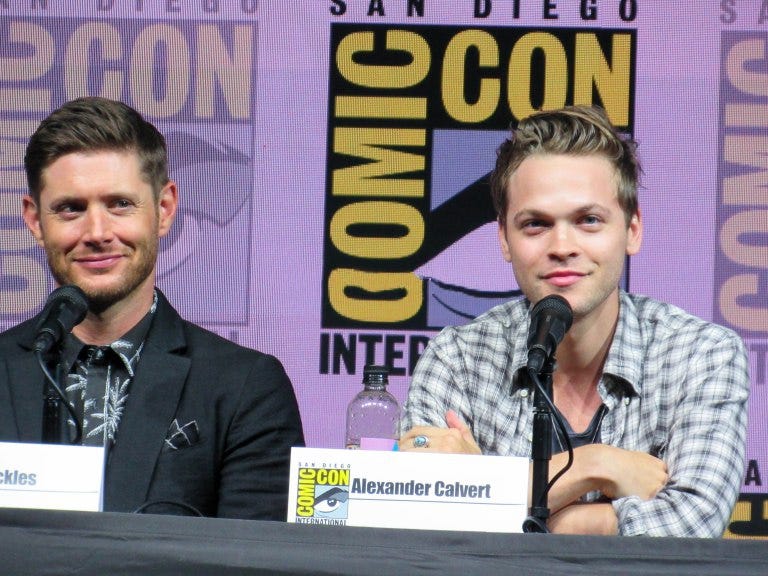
[(65, 308), (551, 318), (558, 307), (71, 296)]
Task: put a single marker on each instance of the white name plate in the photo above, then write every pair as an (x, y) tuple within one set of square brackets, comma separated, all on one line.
[(408, 490), (51, 476)]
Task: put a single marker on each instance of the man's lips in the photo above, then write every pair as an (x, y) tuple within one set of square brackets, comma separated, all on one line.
[(98, 262), (563, 278)]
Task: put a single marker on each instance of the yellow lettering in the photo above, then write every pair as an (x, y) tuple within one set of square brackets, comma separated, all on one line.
[(555, 74), (389, 296), (333, 477), (389, 213), (305, 501), (384, 76), (612, 81), (381, 107), (307, 473), (455, 76), (369, 179)]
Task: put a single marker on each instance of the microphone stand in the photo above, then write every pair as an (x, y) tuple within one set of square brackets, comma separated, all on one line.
[(51, 416), (541, 449), (54, 424)]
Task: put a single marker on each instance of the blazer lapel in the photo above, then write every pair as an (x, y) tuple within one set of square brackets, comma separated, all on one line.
[(151, 406)]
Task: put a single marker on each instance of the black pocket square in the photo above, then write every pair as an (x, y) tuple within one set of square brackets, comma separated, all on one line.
[(182, 436)]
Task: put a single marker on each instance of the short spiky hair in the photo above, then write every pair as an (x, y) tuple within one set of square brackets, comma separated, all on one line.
[(576, 131), (93, 125)]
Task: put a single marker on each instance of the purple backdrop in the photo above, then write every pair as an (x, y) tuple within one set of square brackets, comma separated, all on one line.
[(330, 156)]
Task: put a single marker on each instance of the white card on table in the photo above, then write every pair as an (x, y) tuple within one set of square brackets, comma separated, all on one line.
[(52, 476), (408, 490)]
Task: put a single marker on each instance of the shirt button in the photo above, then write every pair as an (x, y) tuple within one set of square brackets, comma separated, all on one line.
[(524, 393), (626, 400)]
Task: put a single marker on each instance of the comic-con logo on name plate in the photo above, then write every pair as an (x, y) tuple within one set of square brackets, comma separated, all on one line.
[(323, 496)]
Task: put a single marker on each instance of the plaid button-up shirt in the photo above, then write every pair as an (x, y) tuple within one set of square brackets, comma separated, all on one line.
[(674, 386)]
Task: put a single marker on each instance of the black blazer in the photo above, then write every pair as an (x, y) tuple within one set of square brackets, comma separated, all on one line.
[(241, 401)]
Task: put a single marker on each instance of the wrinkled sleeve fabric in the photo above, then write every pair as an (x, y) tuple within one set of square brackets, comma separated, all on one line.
[(438, 383), (468, 369), (435, 384), (705, 446)]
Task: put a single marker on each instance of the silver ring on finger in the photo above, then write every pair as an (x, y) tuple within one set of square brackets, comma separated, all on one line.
[(421, 441)]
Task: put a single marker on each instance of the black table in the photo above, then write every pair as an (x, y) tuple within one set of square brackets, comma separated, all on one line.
[(42, 542)]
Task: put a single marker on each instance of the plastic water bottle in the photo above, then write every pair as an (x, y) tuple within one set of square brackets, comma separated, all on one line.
[(374, 412)]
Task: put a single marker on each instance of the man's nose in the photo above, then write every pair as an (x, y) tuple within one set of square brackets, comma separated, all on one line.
[(98, 225), (563, 241)]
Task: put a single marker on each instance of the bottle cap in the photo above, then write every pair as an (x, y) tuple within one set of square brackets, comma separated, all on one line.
[(374, 374)]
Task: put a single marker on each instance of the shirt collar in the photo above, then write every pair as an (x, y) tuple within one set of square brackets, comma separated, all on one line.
[(622, 366), (518, 344), (126, 347), (624, 361)]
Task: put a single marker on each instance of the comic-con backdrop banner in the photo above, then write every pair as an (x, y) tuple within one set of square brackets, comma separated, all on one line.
[(332, 158)]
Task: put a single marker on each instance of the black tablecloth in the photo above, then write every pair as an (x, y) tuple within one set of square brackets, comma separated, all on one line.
[(41, 543)]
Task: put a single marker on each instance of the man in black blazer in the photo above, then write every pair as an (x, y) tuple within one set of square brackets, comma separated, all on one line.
[(191, 423)]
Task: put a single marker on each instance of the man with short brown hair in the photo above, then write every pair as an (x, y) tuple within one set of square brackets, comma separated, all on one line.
[(191, 423), (653, 399)]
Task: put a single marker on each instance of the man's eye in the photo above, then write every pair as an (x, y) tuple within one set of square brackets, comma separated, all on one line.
[(533, 225), (591, 219), (66, 209)]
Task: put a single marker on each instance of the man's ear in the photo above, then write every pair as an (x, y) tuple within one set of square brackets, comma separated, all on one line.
[(31, 214), (503, 242), (635, 233), (167, 204)]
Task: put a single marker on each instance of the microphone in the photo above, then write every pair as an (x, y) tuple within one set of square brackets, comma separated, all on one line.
[(65, 309), (551, 318)]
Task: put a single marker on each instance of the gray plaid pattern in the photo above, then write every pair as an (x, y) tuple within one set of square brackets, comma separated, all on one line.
[(675, 387)]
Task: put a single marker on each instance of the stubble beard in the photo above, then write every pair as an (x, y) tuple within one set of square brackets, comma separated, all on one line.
[(101, 299)]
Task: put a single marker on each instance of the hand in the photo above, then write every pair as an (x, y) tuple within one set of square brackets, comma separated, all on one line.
[(456, 439), (621, 473)]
